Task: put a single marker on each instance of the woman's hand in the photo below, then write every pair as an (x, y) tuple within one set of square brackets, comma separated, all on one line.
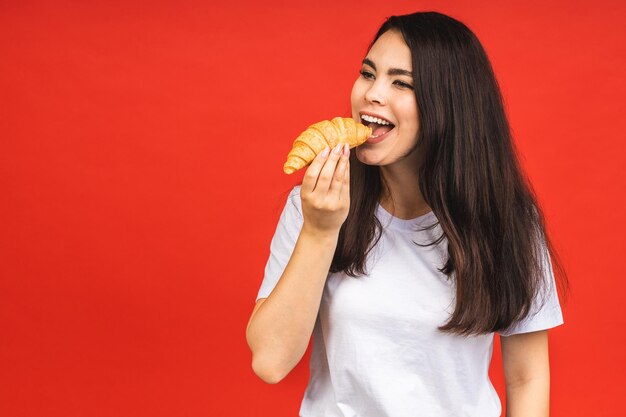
[(325, 191)]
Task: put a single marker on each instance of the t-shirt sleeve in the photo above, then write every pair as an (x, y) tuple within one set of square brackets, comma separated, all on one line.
[(283, 242), (545, 311)]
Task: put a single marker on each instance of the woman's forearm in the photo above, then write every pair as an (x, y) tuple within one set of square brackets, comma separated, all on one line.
[(279, 332), (528, 398)]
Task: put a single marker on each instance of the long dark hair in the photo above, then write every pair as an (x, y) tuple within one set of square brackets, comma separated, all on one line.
[(469, 175)]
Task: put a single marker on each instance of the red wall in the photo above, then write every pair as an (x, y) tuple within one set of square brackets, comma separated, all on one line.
[(141, 152)]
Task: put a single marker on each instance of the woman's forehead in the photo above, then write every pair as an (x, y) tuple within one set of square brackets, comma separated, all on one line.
[(390, 50)]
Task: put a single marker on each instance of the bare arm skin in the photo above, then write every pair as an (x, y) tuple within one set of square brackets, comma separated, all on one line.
[(281, 325), (526, 374)]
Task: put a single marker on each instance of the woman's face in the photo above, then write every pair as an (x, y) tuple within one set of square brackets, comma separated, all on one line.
[(384, 90)]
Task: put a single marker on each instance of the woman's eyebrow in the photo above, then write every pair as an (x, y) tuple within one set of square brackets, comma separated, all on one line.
[(392, 71)]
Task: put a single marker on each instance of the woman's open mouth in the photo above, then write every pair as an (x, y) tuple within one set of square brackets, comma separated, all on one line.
[(380, 127)]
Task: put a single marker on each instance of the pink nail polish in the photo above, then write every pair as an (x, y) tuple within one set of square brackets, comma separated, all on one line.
[(325, 152)]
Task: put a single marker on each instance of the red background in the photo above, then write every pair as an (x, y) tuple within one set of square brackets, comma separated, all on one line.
[(141, 174)]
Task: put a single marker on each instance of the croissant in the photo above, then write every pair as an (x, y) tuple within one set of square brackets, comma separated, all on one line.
[(317, 136)]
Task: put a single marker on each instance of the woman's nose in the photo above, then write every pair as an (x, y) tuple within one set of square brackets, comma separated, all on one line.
[(374, 94)]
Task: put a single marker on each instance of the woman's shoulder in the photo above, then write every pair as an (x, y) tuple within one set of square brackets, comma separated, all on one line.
[(294, 203), (295, 191)]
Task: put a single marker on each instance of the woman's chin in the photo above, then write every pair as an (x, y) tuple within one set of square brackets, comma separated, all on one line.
[(368, 156)]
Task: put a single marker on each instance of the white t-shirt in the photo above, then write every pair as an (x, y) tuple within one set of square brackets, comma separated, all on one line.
[(376, 350)]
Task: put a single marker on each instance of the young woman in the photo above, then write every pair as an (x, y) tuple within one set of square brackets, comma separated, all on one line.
[(403, 256)]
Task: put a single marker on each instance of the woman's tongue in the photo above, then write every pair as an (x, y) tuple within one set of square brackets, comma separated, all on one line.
[(378, 130)]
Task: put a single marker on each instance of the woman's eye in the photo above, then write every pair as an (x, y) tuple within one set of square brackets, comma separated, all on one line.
[(366, 74), (403, 84)]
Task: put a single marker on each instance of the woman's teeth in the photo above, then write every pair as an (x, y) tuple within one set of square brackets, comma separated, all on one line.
[(373, 119)]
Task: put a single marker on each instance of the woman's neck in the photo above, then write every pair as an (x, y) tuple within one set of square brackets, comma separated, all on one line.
[(401, 193)]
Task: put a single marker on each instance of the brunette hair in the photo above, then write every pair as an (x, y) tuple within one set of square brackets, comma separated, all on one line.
[(469, 175)]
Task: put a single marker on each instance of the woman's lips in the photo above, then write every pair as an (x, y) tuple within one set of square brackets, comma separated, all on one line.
[(380, 138)]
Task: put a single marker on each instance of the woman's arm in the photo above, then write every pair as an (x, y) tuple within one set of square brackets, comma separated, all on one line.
[(526, 374), (280, 328), (279, 332)]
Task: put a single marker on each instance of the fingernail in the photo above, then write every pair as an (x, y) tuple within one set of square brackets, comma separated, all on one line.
[(346, 149), (325, 152), (337, 149)]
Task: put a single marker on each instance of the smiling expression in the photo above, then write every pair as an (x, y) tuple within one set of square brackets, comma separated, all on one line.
[(384, 89)]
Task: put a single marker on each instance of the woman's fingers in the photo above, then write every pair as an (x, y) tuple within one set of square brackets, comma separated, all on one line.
[(328, 170), (325, 201), (338, 179), (345, 190), (313, 171)]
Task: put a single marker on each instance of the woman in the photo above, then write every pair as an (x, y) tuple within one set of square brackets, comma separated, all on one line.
[(433, 239)]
